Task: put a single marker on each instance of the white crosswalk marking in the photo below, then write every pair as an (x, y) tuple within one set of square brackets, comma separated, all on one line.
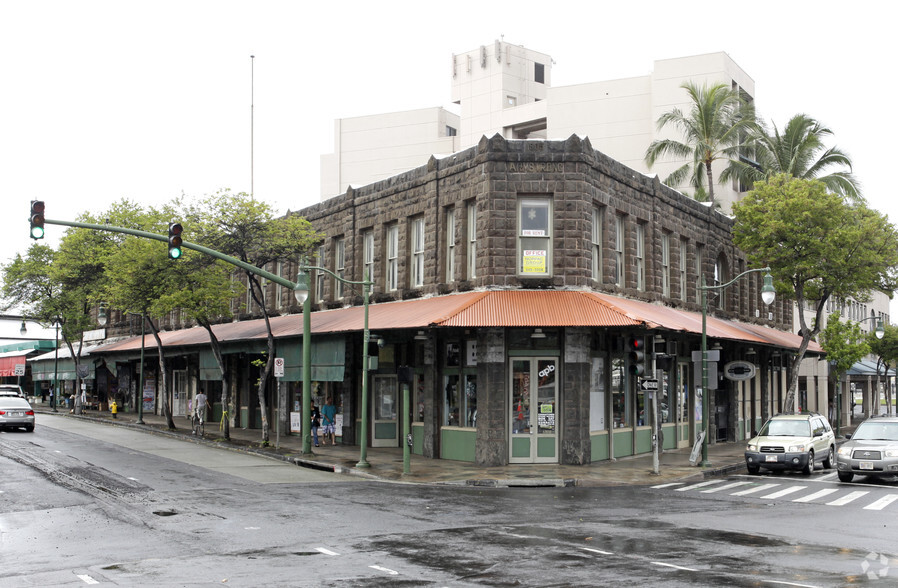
[(784, 492), (760, 488), (816, 495), (668, 485), (725, 487), (699, 485), (882, 502), (847, 498)]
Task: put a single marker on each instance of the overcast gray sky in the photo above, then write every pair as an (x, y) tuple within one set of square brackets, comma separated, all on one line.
[(101, 100)]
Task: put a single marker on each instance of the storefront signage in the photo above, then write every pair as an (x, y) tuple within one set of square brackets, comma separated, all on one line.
[(739, 370), (534, 261), (535, 166)]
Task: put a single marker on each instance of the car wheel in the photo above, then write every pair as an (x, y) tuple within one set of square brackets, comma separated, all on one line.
[(30, 429), (828, 460), (810, 467), (753, 470), (846, 476)]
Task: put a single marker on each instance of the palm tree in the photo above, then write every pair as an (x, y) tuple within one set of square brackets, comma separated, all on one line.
[(717, 126), (799, 152)]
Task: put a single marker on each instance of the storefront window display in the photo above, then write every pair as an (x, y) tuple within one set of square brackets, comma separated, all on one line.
[(620, 399)]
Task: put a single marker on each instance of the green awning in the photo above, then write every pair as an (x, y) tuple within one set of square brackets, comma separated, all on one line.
[(48, 370), (328, 359)]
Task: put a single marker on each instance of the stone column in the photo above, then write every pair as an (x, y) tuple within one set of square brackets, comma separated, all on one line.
[(431, 400), (574, 443), (492, 393)]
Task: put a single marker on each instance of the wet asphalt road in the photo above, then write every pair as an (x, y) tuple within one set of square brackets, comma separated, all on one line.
[(86, 505)]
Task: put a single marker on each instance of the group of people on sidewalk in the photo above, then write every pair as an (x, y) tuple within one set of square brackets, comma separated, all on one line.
[(325, 417)]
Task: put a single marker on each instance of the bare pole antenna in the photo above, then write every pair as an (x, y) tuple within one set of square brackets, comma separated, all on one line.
[(252, 62)]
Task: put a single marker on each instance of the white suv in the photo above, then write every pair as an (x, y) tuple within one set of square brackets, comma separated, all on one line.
[(792, 442), (11, 390)]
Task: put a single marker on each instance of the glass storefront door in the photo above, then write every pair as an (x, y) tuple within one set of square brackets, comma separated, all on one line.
[(533, 407), (385, 409)]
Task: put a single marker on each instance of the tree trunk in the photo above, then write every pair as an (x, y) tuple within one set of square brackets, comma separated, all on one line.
[(259, 297), (164, 393), (225, 391)]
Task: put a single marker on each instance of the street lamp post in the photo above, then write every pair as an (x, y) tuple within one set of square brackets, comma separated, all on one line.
[(768, 295), (301, 291), (55, 394)]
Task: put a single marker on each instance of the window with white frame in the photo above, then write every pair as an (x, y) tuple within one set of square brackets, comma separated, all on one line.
[(534, 237), (598, 217), (319, 276), (392, 273), (450, 244), (417, 253), (619, 250), (339, 266), (368, 255), (278, 289), (665, 264), (640, 257), (683, 271), (472, 240), (699, 254)]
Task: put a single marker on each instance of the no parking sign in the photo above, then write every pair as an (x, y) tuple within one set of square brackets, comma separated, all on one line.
[(278, 367)]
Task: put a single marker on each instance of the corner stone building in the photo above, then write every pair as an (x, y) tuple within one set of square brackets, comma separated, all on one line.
[(510, 280)]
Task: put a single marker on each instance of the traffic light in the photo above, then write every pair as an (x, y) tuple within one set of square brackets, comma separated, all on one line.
[(636, 353), (37, 219), (175, 240)]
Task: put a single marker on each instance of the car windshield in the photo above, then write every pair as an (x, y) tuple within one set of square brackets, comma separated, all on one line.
[(784, 428), (877, 431)]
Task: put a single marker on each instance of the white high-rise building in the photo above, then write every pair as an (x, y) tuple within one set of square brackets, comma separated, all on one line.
[(506, 89)]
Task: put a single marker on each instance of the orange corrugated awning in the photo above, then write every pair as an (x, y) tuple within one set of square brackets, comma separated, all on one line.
[(491, 308), (8, 365)]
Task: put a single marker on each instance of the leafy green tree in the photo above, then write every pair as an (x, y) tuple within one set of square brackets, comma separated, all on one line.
[(818, 245), (247, 229), (800, 152), (845, 345), (886, 352), (716, 128)]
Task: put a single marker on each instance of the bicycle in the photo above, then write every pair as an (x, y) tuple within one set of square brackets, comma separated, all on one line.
[(198, 424)]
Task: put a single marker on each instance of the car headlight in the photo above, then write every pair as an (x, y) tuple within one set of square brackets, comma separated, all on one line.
[(844, 451), (751, 447), (891, 452), (796, 448)]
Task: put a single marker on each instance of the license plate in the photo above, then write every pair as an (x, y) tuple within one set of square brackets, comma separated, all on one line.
[(17, 413), (865, 465), (770, 458)]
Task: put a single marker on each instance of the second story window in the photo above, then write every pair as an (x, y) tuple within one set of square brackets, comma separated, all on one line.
[(534, 237), (683, 272), (619, 250), (472, 240), (598, 217), (319, 276), (665, 264), (417, 259), (640, 257), (278, 289), (450, 244), (339, 266), (392, 277), (699, 253), (368, 255)]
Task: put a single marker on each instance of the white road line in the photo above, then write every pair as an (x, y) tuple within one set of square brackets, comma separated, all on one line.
[(827, 477), (668, 485), (882, 502), (816, 495), (87, 579), (784, 492), (725, 487), (846, 499), (699, 485), (667, 565), (760, 488), (791, 584), (387, 570), (326, 551), (600, 552)]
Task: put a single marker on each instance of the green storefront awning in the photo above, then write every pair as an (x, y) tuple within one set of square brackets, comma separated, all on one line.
[(328, 360), (48, 369)]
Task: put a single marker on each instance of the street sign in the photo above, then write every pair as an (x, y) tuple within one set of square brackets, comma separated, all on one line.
[(713, 355), (649, 384), (739, 370), (278, 367), (19, 369)]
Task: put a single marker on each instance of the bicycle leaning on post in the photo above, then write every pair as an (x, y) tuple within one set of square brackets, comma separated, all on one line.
[(198, 418)]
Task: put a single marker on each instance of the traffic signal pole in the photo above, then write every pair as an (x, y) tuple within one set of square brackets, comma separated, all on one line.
[(165, 238)]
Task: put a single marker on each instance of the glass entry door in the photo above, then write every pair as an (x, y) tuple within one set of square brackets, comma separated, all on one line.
[(385, 408), (533, 407)]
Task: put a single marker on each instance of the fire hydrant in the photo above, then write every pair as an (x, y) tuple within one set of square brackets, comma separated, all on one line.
[(114, 408)]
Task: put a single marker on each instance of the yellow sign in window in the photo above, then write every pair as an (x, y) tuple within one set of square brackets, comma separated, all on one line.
[(534, 261)]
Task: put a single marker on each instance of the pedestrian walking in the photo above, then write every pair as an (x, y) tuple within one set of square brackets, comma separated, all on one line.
[(329, 420), (114, 409), (316, 422)]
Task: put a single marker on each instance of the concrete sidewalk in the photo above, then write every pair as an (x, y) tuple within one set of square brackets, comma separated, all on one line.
[(387, 463)]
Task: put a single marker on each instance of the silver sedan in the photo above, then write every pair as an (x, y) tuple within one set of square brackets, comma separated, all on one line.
[(16, 413)]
